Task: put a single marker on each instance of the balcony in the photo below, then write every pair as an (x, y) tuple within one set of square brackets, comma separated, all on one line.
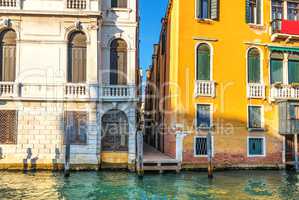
[(65, 7), (9, 4), (117, 92), (256, 91), (284, 92), (77, 4), (66, 92), (205, 89), (8, 89), (285, 30)]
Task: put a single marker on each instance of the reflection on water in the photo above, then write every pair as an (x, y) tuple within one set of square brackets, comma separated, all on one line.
[(257, 185)]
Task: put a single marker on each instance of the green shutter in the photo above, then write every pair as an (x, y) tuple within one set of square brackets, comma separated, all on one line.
[(199, 9), (247, 11), (203, 63), (276, 72), (215, 9), (259, 12), (254, 65), (293, 71)]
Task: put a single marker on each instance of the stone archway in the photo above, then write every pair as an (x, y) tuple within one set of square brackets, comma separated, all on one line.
[(115, 128)]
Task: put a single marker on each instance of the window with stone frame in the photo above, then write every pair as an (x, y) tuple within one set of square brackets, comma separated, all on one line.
[(76, 125), (255, 117), (254, 12), (256, 146), (8, 127)]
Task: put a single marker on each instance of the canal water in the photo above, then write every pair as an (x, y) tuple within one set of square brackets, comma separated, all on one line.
[(230, 185)]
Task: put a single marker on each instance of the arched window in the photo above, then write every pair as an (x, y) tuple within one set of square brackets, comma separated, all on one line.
[(276, 67), (115, 128), (203, 62), (119, 4), (77, 57), (293, 68), (118, 62), (254, 65), (8, 55)]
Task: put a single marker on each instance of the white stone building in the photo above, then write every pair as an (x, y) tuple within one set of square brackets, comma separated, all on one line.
[(68, 65)]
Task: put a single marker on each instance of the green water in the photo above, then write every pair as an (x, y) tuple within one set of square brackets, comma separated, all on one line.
[(253, 185)]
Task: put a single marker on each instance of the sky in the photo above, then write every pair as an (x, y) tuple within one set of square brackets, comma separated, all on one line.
[(151, 13)]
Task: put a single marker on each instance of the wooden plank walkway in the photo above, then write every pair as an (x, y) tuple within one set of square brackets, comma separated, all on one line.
[(154, 160)]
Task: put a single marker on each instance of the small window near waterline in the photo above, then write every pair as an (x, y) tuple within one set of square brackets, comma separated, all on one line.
[(256, 146), (201, 146)]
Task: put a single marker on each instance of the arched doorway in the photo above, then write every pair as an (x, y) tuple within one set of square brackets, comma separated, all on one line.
[(115, 130)]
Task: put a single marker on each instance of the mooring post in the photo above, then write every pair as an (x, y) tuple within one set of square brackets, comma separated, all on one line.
[(68, 145), (296, 152), (209, 151), (140, 170)]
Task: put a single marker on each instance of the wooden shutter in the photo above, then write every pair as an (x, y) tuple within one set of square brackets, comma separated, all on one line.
[(118, 62), (77, 58), (8, 55), (215, 9), (247, 11), (77, 125), (113, 67), (8, 127)]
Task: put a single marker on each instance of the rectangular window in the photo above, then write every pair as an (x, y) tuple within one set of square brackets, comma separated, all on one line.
[(254, 11), (293, 11), (255, 117), (207, 9), (76, 127), (256, 146), (8, 127), (277, 10), (201, 146), (203, 116)]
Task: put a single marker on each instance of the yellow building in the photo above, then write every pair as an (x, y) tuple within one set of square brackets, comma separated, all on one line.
[(232, 68)]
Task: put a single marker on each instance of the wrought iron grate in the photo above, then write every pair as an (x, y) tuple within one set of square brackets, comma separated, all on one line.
[(8, 127)]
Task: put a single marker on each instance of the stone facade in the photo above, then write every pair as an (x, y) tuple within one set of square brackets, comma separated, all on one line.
[(41, 94)]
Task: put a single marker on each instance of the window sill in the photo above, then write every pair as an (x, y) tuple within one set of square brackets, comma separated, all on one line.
[(203, 128), (256, 26), (120, 9), (256, 156), (256, 129), (205, 20)]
